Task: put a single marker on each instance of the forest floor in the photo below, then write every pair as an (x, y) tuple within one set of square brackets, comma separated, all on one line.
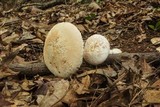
[(129, 25)]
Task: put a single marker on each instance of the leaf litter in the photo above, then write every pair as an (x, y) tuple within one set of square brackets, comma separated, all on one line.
[(132, 26)]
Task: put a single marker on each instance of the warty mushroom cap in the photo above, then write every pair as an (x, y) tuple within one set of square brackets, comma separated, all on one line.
[(96, 49), (63, 49)]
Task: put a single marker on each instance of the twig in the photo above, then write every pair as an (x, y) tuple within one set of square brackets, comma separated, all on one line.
[(30, 68), (40, 67), (45, 5)]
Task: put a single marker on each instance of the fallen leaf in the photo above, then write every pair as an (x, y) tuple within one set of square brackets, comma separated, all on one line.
[(81, 28), (70, 97), (59, 89), (94, 6), (141, 37), (146, 69), (2, 31), (156, 84), (24, 96), (155, 41), (37, 40), (130, 64), (152, 96), (5, 72), (13, 37), (18, 59), (35, 10), (86, 81), (103, 19), (158, 49), (27, 36), (20, 47), (18, 103), (81, 88), (109, 72), (27, 85)]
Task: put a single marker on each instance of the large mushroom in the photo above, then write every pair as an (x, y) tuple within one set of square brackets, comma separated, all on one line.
[(63, 49), (96, 49)]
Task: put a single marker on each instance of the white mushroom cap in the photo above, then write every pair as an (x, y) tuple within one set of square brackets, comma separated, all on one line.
[(63, 49), (115, 51), (96, 49)]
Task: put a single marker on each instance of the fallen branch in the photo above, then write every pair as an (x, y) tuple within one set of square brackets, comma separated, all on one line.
[(41, 69), (149, 57), (30, 68), (45, 5)]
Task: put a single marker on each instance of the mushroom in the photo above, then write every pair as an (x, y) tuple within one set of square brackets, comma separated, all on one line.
[(63, 49), (96, 49), (115, 51)]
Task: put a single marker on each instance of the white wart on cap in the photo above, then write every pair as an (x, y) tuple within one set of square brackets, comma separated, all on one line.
[(63, 49), (96, 49)]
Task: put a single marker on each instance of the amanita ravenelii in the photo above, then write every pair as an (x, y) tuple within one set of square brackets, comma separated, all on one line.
[(63, 49), (96, 49)]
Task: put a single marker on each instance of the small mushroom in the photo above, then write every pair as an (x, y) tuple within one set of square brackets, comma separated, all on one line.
[(63, 49), (115, 51), (96, 49)]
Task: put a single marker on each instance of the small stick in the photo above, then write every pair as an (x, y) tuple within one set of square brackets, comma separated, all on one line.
[(41, 69), (30, 68)]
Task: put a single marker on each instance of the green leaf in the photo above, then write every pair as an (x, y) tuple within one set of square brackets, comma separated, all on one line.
[(157, 26), (152, 27), (90, 16), (97, 1)]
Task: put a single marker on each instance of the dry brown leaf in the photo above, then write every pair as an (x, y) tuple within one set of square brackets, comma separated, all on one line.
[(2, 31), (103, 19), (5, 72), (37, 40), (155, 40), (152, 96), (94, 6), (81, 14), (141, 37), (18, 59), (156, 84), (70, 97), (6, 91), (81, 88), (158, 49), (27, 85), (86, 81), (5, 103), (18, 103), (143, 84), (81, 28), (60, 89), (24, 96), (130, 64), (35, 10), (39, 98), (11, 38), (109, 72), (121, 85), (26, 25), (146, 69), (20, 47), (27, 36), (14, 87)]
